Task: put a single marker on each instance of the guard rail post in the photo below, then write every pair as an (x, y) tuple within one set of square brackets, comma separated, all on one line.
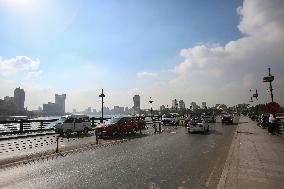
[(97, 138), (155, 127), (41, 125), (21, 126), (92, 122), (57, 144)]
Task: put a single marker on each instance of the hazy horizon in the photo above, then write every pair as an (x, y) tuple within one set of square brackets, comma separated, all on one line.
[(213, 51)]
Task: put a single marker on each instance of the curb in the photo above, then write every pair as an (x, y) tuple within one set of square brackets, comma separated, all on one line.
[(230, 164)]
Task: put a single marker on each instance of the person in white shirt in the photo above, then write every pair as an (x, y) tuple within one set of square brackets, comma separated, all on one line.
[(271, 121)]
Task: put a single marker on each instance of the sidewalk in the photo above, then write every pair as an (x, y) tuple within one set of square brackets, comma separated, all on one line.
[(25, 135), (255, 159)]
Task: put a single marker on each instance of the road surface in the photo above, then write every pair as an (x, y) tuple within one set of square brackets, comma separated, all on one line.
[(169, 160)]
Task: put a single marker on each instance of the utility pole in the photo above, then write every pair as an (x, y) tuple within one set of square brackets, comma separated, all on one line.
[(102, 95), (151, 101), (270, 79)]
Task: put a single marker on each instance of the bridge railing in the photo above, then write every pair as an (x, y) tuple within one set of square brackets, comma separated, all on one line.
[(22, 126)]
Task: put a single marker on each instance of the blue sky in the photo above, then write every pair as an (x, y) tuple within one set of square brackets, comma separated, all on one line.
[(87, 45)]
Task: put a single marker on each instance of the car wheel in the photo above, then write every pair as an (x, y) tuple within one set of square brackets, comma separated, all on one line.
[(85, 131), (68, 132), (60, 132), (133, 131)]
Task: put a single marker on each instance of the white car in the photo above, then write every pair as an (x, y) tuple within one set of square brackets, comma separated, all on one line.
[(170, 118), (74, 123), (197, 125)]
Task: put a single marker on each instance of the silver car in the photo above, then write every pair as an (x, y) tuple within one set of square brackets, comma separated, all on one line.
[(197, 125)]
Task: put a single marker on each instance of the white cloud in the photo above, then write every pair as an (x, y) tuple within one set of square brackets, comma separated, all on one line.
[(12, 66), (143, 75), (262, 25), (35, 74)]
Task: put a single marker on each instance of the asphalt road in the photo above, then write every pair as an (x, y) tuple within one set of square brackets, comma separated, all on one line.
[(168, 160)]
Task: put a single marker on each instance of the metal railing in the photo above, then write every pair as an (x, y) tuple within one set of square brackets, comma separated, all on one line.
[(22, 126)]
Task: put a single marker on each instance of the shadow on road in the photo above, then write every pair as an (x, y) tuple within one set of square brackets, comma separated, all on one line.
[(241, 122), (75, 135), (215, 132), (126, 136)]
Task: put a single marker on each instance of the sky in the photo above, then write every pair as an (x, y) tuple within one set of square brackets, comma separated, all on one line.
[(213, 51)]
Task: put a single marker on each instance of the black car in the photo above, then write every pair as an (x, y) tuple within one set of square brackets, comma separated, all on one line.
[(227, 119)]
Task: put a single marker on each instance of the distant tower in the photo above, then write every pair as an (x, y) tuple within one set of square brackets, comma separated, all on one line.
[(204, 105), (136, 101), (181, 105), (19, 97), (174, 104), (60, 100)]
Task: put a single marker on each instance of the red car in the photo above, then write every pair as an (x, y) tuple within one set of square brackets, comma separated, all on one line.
[(119, 126)]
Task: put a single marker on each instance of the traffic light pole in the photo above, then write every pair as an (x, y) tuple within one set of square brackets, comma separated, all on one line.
[(102, 96), (270, 86)]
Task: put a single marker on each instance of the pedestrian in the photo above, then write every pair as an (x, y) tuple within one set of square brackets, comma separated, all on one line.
[(271, 125)]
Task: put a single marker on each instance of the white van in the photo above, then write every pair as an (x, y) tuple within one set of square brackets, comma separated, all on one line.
[(170, 119), (74, 123)]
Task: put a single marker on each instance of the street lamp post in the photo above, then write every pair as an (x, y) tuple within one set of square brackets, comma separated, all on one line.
[(255, 95), (151, 101), (176, 104), (102, 95), (270, 79)]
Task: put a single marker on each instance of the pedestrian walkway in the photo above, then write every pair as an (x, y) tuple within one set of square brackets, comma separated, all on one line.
[(25, 135), (255, 159)]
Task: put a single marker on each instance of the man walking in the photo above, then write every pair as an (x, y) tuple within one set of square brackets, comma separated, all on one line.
[(271, 126)]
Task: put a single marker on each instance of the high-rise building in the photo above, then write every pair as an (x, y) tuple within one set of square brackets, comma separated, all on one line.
[(60, 100), (126, 110), (181, 105), (89, 111), (194, 106), (136, 101), (51, 108), (174, 104), (118, 110), (19, 97), (204, 105), (162, 108), (95, 111)]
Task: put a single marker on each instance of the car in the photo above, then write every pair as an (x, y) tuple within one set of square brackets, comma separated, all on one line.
[(119, 126), (227, 119), (209, 119), (170, 119), (197, 125), (74, 123)]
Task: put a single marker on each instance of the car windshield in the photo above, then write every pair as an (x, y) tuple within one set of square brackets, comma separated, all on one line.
[(168, 116), (196, 120), (113, 120)]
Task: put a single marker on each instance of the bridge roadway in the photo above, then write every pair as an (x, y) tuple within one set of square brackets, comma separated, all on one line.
[(169, 160)]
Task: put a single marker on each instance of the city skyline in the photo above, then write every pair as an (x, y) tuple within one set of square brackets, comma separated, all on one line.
[(159, 49)]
